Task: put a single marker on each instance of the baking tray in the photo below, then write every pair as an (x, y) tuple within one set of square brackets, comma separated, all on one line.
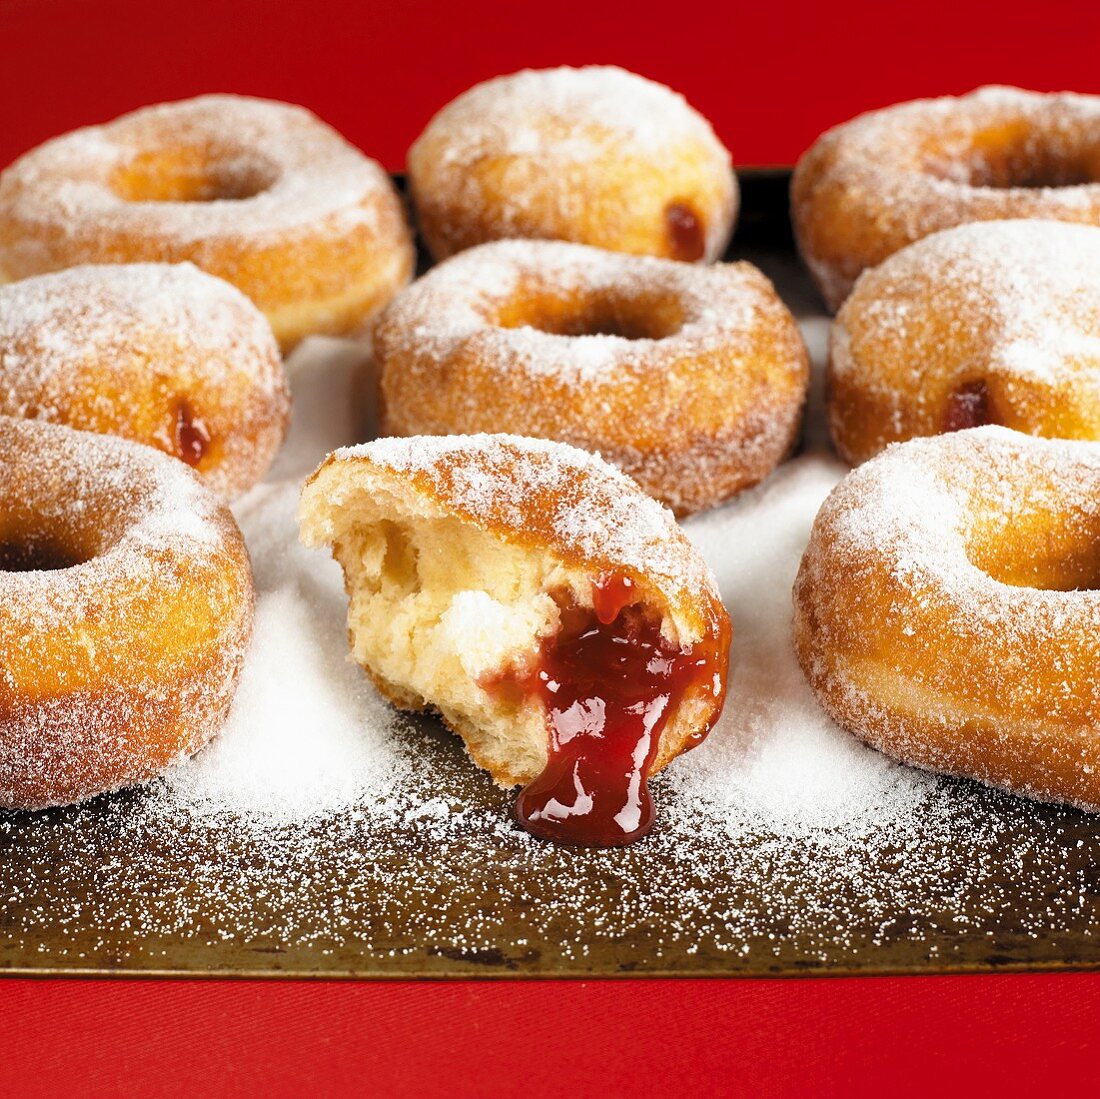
[(1004, 884)]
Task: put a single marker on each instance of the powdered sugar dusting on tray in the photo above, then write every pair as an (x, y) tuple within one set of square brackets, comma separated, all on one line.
[(779, 839)]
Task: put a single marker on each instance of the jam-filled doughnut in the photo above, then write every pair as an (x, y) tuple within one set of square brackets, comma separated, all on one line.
[(994, 322), (554, 615), (691, 379), (947, 610), (595, 155), (263, 194), (158, 353), (125, 610), (888, 178)]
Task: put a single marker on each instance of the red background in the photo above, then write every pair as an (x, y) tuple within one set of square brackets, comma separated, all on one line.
[(771, 76)]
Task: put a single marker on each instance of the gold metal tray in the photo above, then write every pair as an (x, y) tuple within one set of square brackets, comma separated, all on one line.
[(94, 890)]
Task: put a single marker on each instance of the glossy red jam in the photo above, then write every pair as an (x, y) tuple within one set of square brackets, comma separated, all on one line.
[(968, 406), (192, 437), (685, 231), (609, 681)]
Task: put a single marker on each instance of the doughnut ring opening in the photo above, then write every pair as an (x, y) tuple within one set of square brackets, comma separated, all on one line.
[(691, 379), (947, 610), (881, 181), (125, 610)]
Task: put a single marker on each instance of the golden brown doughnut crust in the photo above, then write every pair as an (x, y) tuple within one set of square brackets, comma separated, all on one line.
[(159, 353), (889, 177), (947, 611), (125, 610), (595, 155), (543, 498), (690, 379), (992, 322), (262, 194)]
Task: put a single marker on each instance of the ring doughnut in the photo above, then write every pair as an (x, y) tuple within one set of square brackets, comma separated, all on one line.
[(262, 194), (125, 610), (888, 178), (158, 353), (691, 379), (555, 616), (595, 155), (947, 611), (994, 322)]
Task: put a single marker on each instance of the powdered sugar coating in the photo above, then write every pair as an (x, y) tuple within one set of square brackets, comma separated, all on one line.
[(123, 348), (260, 193), (532, 154), (1011, 305), (947, 611), (561, 499), (892, 176), (124, 654), (700, 399)]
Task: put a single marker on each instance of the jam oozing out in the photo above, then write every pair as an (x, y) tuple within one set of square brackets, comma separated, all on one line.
[(192, 436), (968, 406), (685, 231), (609, 682)]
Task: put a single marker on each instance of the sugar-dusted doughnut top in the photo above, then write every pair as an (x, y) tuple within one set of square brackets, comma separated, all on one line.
[(546, 495), (992, 322), (892, 176), (667, 368), (596, 154), (219, 166), (149, 352)]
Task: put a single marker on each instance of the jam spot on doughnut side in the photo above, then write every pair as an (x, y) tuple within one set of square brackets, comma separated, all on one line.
[(608, 681), (686, 232), (969, 406), (192, 438), (35, 557)]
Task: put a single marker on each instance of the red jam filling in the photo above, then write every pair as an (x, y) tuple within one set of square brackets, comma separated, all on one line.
[(685, 231), (192, 436), (969, 406), (609, 681)]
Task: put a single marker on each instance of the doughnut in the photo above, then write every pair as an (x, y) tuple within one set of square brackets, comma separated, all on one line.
[(595, 155), (887, 178), (553, 615), (997, 322), (691, 379), (262, 194), (158, 353), (125, 609), (947, 609)]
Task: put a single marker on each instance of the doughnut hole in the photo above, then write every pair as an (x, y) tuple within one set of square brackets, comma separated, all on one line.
[(646, 316), (1020, 154), (193, 174), (1038, 542)]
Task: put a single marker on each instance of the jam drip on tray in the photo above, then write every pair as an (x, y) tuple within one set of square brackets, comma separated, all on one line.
[(609, 681)]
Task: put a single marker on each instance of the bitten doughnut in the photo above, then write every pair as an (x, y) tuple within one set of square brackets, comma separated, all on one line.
[(262, 194), (555, 616), (125, 610), (947, 609), (997, 322), (158, 353), (691, 379), (888, 178), (595, 155)]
